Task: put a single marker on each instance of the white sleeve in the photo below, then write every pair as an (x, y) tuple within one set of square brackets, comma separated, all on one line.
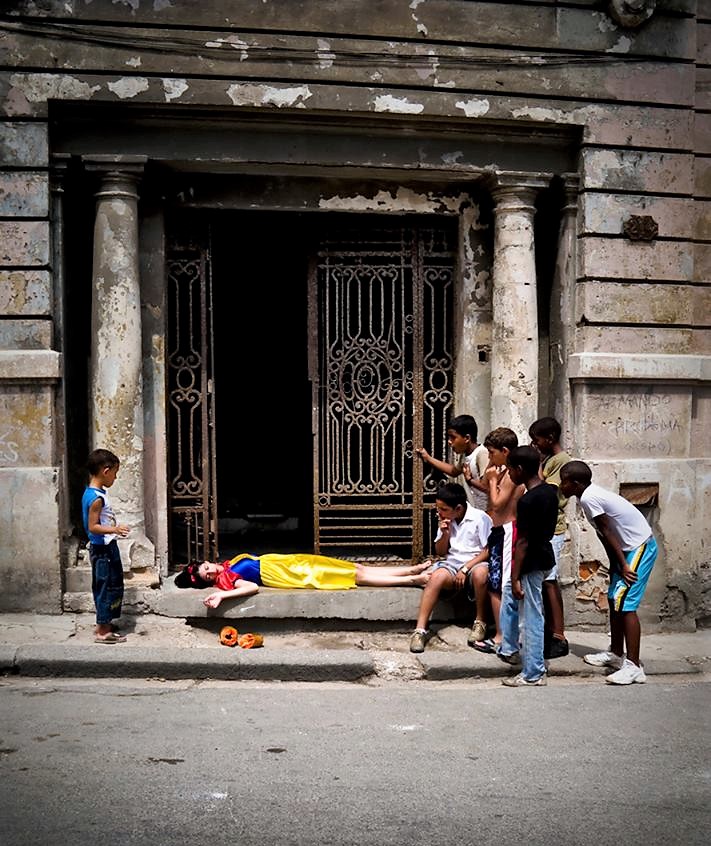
[(591, 506)]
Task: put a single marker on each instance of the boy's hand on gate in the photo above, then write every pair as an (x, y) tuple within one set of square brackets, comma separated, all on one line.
[(422, 452)]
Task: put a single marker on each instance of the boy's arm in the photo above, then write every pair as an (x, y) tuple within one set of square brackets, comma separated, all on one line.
[(95, 527), (443, 466), (501, 489), (441, 545), (614, 551), (244, 588)]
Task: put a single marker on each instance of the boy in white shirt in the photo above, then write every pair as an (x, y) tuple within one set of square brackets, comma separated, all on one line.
[(461, 543), (632, 551)]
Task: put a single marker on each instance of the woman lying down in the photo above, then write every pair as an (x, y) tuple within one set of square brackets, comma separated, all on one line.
[(243, 575)]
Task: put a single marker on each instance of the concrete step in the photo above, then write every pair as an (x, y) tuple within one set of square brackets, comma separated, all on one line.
[(391, 604)]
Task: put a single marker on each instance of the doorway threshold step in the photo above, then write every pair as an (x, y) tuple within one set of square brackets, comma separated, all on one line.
[(376, 604)]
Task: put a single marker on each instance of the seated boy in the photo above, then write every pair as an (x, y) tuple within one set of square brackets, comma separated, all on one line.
[(632, 550), (461, 543)]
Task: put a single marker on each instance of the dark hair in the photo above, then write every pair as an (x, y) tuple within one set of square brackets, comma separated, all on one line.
[(189, 577), (464, 424), (451, 494), (99, 459), (501, 438), (526, 458), (578, 471), (545, 427)]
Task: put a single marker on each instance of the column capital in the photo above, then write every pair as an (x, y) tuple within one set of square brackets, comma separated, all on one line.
[(58, 167), (571, 188), (107, 163), (511, 184), (119, 175)]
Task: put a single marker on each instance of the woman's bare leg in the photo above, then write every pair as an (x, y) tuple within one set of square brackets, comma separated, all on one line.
[(402, 570), (380, 577)]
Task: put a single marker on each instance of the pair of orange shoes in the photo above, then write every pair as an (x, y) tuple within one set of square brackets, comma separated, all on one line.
[(229, 636)]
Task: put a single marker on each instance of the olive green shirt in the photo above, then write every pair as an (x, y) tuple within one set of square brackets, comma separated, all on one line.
[(550, 470)]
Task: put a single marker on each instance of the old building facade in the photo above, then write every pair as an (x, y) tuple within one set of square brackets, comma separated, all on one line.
[(262, 251)]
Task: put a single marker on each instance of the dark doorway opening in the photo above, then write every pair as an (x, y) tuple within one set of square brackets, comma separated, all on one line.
[(264, 441)]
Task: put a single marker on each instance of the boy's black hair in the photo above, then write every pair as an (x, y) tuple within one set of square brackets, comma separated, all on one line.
[(99, 459), (501, 438), (545, 427), (464, 424), (451, 494), (578, 471), (189, 577), (526, 458)]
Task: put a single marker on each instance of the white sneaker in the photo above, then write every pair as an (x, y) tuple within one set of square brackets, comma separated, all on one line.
[(629, 673), (520, 681), (604, 659)]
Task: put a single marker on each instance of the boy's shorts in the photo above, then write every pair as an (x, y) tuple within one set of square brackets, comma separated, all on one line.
[(500, 544), (557, 542), (450, 566), (626, 597)]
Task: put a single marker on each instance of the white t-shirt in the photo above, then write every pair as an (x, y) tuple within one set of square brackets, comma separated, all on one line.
[(468, 537), (478, 461), (627, 522)]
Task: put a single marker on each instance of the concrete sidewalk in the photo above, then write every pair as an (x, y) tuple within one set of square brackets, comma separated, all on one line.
[(174, 648)]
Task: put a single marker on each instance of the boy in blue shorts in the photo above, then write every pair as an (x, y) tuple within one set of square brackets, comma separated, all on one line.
[(632, 551)]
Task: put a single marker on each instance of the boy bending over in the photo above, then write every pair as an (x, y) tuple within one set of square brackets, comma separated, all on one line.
[(632, 551)]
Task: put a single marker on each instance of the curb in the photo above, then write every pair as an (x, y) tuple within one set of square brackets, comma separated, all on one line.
[(286, 664), (178, 663)]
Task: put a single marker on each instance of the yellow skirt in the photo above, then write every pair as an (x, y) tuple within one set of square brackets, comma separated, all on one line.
[(302, 570)]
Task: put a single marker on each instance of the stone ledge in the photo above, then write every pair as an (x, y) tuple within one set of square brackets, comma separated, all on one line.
[(28, 365), (665, 368), (383, 604)]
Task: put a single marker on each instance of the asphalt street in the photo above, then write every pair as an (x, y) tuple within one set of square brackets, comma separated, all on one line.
[(246, 763)]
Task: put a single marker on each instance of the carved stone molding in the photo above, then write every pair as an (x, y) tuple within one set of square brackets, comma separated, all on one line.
[(631, 13), (641, 227)]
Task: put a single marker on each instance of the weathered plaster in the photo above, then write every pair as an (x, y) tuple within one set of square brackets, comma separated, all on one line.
[(268, 95), (400, 200), (397, 105)]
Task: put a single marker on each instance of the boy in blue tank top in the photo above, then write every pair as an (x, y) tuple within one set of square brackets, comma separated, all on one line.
[(102, 529)]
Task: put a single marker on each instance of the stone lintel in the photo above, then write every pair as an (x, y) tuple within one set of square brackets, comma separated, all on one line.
[(29, 365), (583, 367)]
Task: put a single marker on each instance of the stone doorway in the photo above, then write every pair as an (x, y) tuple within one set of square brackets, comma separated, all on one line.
[(326, 361)]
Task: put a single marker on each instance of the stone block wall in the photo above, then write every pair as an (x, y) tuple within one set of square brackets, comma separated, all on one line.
[(633, 387)]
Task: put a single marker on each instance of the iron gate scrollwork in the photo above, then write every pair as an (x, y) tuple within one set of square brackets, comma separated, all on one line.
[(381, 367), (190, 419)]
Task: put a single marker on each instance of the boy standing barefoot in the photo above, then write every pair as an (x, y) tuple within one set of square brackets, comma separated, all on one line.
[(632, 551), (100, 526)]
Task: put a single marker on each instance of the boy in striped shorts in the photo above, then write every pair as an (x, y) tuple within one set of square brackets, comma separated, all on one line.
[(632, 551)]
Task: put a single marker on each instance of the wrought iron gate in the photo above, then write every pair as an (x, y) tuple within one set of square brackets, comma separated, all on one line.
[(192, 500), (380, 312)]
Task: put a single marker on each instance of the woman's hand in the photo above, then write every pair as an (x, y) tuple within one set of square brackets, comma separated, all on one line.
[(213, 600)]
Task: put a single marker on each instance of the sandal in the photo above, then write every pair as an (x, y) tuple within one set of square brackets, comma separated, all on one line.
[(487, 645), (111, 637)]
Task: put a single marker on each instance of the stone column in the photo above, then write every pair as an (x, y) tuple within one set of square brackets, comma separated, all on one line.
[(514, 353), (115, 377), (563, 307)]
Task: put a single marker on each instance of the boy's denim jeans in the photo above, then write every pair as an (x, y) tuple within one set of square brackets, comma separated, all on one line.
[(508, 621), (531, 614), (106, 581)]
